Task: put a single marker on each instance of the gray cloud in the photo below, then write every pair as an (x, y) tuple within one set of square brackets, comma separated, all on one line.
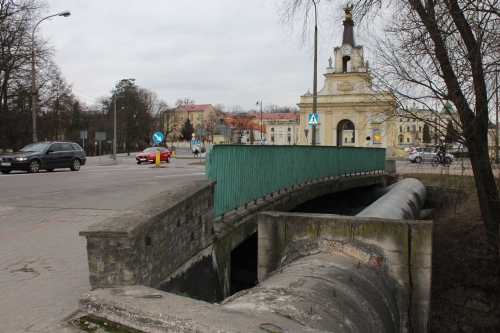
[(218, 51)]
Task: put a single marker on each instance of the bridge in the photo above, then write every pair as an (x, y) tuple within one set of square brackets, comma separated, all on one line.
[(187, 240)]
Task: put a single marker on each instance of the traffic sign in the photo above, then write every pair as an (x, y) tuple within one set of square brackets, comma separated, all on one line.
[(158, 137), (312, 119), (195, 142)]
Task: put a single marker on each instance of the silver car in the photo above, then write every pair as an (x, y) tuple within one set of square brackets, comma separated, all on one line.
[(423, 154)]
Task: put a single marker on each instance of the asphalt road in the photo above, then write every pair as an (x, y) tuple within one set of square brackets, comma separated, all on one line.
[(43, 260)]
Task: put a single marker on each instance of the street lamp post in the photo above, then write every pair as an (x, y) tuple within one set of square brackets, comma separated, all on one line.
[(496, 127), (260, 103), (315, 82), (114, 119), (33, 73)]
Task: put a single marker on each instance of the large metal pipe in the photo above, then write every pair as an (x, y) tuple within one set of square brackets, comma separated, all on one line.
[(402, 202)]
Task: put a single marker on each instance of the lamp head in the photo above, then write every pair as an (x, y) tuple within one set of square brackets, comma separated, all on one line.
[(66, 13)]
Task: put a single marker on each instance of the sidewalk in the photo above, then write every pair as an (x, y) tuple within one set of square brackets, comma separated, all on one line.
[(104, 160)]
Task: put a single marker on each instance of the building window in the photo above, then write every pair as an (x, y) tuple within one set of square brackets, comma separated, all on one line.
[(407, 128), (248, 140), (345, 140), (408, 140), (401, 128), (414, 128), (289, 138), (400, 120), (182, 117), (175, 127), (420, 128), (191, 116), (272, 130), (182, 126), (199, 116), (272, 138), (289, 129)]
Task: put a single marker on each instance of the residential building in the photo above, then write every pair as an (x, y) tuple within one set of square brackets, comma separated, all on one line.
[(200, 115)]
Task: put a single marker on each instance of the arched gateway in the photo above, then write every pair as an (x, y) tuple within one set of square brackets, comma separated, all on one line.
[(347, 106)]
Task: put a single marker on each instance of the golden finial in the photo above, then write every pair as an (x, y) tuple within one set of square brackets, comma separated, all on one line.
[(348, 10)]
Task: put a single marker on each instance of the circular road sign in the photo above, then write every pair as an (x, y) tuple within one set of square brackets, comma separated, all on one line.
[(158, 137)]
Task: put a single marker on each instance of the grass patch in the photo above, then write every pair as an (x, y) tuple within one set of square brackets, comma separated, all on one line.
[(444, 180), (197, 163), (90, 324)]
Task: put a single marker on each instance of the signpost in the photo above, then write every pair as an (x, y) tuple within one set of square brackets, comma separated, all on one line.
[(83, 136), (100, 136), (312, 120), (158, 137)]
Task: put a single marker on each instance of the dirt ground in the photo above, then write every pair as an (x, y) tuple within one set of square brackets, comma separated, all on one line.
[(465, 277)]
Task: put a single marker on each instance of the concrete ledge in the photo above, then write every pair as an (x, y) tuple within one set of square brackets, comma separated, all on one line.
[(130, 222), (150, 310)]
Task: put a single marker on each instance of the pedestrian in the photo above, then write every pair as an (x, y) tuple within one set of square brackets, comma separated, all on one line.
[(368, 143), (196, 151)]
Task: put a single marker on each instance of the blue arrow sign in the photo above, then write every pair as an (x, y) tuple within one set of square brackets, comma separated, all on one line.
[(158, 137), (312, 119)]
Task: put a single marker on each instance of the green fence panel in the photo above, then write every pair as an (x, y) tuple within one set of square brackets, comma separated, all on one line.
[(246, 173)]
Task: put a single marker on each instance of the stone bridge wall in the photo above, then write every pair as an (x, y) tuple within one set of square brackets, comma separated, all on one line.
[(147, 243)]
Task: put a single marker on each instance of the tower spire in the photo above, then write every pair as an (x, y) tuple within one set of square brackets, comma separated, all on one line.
[(348, 37)]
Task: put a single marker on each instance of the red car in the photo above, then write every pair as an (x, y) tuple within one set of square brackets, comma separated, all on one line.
[(149, 155)]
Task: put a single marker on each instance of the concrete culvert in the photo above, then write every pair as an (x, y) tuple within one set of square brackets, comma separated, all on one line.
[(403, 202), (331, 292)]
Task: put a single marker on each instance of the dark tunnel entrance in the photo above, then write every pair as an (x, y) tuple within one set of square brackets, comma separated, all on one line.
[(348, 203), (244, 265)]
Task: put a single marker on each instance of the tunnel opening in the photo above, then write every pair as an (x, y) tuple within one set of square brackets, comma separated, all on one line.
[(348, 202), (244, 265)]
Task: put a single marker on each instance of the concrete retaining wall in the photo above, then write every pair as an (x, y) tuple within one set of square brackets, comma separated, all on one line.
[(404, 248)]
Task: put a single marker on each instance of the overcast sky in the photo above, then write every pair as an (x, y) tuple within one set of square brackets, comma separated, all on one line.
[(212, 51)]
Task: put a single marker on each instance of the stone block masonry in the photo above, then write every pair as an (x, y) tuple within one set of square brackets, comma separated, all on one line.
[(148, 242)]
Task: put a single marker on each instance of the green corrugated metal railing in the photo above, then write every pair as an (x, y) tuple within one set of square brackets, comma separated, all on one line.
[(246, 173)]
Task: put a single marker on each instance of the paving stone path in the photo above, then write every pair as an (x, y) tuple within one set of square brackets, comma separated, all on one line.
[(43, 264)]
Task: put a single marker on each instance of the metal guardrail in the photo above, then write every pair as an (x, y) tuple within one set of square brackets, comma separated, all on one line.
[(246, 173)]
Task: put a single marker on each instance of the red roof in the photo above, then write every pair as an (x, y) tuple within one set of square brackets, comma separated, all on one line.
[(192, 107), (244, 123)]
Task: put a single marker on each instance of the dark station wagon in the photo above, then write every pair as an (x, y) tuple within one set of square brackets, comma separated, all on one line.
[(47, 155)]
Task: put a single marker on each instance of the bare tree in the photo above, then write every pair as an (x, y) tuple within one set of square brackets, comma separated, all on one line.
[(185, 101), (17, 19), (446, 51)]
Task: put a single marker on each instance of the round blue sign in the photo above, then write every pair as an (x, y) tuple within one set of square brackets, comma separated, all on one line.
[(158, 137)]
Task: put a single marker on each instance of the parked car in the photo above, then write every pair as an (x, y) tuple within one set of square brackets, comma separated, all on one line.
[(47, 155), (460, 152), (423, 154), (149, 155)]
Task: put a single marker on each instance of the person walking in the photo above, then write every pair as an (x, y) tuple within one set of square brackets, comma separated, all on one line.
[(368, 143)]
